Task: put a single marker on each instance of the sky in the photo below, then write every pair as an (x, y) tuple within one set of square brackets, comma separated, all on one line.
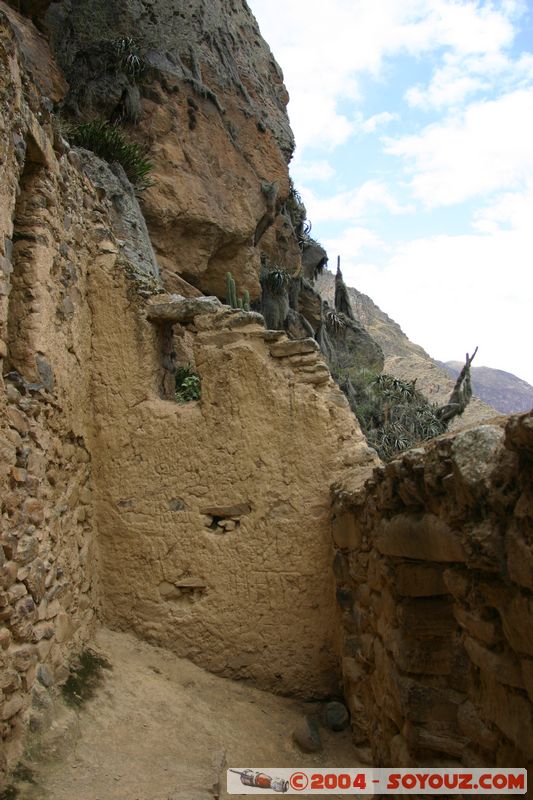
[(414, 156)]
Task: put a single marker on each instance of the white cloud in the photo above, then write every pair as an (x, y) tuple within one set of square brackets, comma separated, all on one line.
[(377, 120), (355, 241), (325, 48), (311, 171), (351, 205), (451, 293), (462, 76), (486, 148)]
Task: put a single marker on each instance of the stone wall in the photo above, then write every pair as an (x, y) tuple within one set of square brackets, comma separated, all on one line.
[(50, 225), (435, 577)]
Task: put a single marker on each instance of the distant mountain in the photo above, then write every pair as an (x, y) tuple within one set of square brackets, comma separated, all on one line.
[(403, 358), (502, 390)]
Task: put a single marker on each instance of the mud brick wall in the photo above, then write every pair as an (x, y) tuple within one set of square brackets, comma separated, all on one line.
[(434, 567)]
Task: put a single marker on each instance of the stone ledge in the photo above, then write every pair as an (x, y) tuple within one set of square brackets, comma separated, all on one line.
[(293, 347), (174, 308)]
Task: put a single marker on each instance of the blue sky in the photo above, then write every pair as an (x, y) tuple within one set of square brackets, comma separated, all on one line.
[(414, 128)]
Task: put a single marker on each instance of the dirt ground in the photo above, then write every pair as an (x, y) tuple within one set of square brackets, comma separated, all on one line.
[(160, 728)]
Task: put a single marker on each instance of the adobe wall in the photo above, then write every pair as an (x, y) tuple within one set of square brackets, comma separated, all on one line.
[(213, 516), (435, 571)]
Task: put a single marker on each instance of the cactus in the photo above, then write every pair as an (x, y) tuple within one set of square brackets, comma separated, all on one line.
[(242, 303), (231, 293)]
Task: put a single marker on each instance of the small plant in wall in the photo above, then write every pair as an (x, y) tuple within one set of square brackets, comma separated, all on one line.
[(187, 385), (231, 295)]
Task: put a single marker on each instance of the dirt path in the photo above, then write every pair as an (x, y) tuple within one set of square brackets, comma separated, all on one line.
[(160, 728)]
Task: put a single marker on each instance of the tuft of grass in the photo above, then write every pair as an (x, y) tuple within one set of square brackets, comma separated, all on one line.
[(85, 677), (188, 385), (108, 142)]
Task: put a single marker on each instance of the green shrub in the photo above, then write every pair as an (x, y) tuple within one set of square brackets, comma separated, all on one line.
[(108, 142), (393, 414), (188, 385)]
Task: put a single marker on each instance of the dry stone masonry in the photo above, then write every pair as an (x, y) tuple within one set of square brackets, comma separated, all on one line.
[(434, 570)]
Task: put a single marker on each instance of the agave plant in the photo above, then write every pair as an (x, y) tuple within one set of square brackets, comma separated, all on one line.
[(108, 142), (334, 322), (127, 51), (277, 280)]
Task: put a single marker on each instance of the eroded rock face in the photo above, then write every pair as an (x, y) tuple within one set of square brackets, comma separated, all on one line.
[(212, 111), (435, 571)]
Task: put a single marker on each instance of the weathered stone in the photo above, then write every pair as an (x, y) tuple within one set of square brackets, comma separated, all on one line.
[(423, 537), (423, 617), (172, 309), (317, 378), (293, 347), (475, 453), (19, 475), (486, 630), (346, 532), (17, 420), (419, 580), (34, 509), (472, 726), (503, 666), (11, 706), (336, 716), (517, 618), (27, 549), (44, 675), (433, 656), (307, 736), (437, 737), (10, 681), (519, 558), (510, 711), (125, 215)]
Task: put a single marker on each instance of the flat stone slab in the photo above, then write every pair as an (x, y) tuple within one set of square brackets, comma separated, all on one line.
[(293, 347), (174, 308)]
